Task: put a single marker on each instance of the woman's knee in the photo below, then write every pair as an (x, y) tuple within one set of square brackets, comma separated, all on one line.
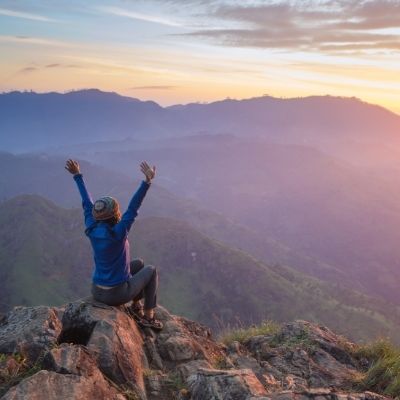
[(152, 269), (138, 261), (136, 265)]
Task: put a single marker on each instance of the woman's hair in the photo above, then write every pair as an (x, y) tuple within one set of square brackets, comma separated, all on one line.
[(113, 220)]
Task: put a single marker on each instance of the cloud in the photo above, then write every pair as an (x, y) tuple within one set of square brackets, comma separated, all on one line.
[(327, 26), (58, 65), (27, 70), (24, 15), (21, 39), (138, 16), (154, 87)]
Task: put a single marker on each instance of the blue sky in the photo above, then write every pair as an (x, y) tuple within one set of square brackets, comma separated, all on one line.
[(181, 51)]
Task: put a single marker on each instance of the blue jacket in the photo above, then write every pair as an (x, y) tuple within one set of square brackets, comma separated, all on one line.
[(110, 243)]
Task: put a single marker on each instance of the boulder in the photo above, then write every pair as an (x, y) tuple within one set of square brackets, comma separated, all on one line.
[(183, 340), (214, 384), (70, 359), (51, 385), (335, 345), (306, 355), (112, 338), (29, 331)]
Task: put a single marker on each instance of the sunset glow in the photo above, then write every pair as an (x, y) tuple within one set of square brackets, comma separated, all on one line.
[(182, 51)]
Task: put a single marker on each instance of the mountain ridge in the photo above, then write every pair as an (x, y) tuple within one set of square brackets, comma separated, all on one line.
[(54, 119), (96, 92)]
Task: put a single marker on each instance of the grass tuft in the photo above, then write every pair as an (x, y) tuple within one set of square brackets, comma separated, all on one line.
[(14, 368), (383, 375), (241, 334)]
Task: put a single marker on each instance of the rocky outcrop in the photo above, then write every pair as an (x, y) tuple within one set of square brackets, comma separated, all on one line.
[(111, 337), (233, 384), (29, 331), (51, 385), (301, 355), (87, 350)]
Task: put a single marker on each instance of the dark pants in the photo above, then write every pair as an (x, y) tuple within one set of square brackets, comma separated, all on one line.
[(143, 283)]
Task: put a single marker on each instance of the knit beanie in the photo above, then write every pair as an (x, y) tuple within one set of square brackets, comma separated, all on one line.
[(106, 207)]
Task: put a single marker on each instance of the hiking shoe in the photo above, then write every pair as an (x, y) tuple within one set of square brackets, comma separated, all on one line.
[(152, 323)]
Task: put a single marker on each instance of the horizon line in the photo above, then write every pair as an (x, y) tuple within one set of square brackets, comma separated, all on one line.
[(199, 102)]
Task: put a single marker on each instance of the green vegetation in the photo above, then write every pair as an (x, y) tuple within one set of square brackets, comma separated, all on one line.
[(381, 358), (383, 376), (302, 340), (148, 372), (268, 328), (242, 334), (175, 381), (45, 258), (14, 368)]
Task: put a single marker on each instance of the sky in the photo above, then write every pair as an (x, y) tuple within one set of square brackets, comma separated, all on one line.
[(177, 51)]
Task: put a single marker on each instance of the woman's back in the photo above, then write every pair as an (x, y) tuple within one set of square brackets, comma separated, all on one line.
[(111, 255)]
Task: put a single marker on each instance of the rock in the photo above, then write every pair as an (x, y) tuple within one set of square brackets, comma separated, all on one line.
[(111, 336), (234, 348), (183, 340), (224, 385), (70, 359), (98, 352), (335, 345), (51, 385), (323, 394), (152, 354), (177, 348), (310, 354), (157, 386), (191, 367), (29, 331)]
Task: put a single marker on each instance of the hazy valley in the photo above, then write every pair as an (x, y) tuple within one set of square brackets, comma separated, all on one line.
[(281, 188)]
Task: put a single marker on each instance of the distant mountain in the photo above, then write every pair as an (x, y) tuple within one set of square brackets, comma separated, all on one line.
[(292, 117), (45, 258), (31, 121), (330, 210)]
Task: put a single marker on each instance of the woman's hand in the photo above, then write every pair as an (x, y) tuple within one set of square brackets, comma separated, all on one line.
[(148, 172), (72, 166)]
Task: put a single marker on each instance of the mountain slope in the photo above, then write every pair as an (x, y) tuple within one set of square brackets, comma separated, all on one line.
[(337, 214), (31, 174), (45, 258)]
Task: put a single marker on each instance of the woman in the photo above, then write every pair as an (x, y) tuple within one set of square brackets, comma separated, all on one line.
[(116, 280)]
